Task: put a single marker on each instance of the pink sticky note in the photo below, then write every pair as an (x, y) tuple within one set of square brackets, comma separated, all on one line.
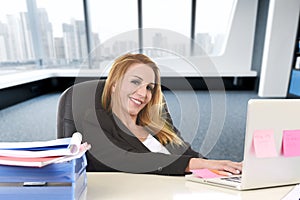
[(264, 144), (291, 143), (205, 173)]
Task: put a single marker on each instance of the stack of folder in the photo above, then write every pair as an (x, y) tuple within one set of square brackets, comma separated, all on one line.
[(63, 179)]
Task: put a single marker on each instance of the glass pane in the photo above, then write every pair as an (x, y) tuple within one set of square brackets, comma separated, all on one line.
[(62, 32), (115, 28), (213, 20), (167, 26), (16, 49)]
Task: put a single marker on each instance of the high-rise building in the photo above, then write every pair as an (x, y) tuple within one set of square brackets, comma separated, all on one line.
[(204, 44), (3, 42), (27, 36), (14, 37), (47, 36), (75, 41), (59, 51)]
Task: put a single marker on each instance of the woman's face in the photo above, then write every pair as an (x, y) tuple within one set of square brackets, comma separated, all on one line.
[(135, 89)]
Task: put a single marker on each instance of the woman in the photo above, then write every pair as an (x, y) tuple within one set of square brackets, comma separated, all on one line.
[(134, 133)]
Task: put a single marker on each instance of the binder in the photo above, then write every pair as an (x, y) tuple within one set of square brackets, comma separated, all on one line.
[(295, 82), (63, 181)]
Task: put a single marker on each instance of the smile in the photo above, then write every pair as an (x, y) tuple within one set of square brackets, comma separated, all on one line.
[(136, 101)]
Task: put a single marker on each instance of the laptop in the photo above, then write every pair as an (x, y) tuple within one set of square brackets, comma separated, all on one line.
[(271, 151)]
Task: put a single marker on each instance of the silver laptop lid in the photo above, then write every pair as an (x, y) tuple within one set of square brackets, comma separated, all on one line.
[(271, 152)]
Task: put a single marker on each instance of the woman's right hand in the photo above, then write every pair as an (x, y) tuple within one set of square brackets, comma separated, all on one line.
[(221, 165)]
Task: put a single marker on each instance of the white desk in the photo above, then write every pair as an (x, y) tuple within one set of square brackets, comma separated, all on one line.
[(135, 186)]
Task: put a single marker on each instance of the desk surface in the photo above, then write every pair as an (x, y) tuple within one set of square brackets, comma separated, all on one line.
[(139, 186)]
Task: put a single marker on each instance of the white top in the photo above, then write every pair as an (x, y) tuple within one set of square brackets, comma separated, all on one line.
[(154, 145)]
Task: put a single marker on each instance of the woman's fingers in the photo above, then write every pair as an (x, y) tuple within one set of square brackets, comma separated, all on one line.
[(232, 167), (232, 170)]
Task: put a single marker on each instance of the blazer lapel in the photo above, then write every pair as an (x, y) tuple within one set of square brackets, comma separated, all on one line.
[(113, 124), (128, 136)]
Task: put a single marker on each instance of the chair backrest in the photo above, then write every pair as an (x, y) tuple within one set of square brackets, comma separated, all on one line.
[(76, 100)]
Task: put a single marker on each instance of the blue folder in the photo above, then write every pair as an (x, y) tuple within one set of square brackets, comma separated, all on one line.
[(295, 82), (63, 181)]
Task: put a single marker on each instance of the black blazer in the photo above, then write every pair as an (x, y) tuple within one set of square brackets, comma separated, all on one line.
[(115, 148)]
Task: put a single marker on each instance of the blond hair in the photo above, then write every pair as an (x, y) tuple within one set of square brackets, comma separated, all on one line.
[(151, 115)]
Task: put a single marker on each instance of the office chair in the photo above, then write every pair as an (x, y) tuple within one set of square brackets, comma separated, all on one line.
[(73, 104), (76, 101)]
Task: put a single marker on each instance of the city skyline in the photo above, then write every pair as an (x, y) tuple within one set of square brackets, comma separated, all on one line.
[(71, 48)]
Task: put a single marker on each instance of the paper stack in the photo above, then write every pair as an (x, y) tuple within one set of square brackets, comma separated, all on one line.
[(42, 153)]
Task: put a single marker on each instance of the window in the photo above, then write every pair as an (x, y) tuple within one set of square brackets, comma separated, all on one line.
[(114, 26), (62, 34), (166, 27), (42, 33), (16, 48), (213, 20)]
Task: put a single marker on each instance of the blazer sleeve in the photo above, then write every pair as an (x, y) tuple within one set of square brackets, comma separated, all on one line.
[(111, 151)]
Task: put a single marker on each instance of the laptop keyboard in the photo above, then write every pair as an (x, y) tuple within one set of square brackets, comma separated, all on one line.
[(236, 179)]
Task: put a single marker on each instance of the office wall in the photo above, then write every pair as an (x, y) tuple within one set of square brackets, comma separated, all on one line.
[(278, 49)]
